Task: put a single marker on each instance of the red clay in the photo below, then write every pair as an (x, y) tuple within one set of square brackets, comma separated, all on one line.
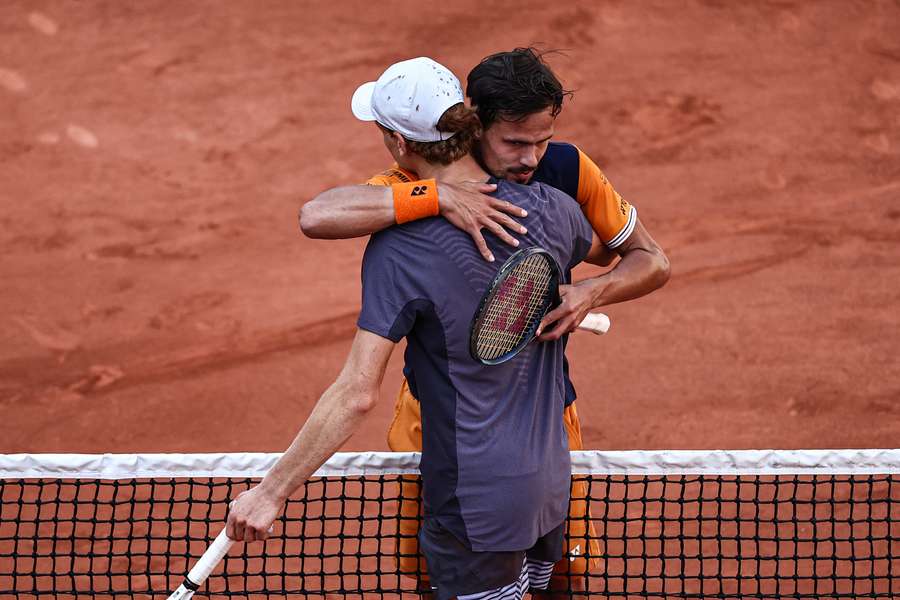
[(157, 294)]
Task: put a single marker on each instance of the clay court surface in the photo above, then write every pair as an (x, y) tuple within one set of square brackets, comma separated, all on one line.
[(158, 295)]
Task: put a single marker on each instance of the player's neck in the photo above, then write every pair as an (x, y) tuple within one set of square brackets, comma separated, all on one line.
[(465, 169)]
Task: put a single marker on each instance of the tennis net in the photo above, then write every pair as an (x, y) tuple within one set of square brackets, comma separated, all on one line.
[(664, 524)]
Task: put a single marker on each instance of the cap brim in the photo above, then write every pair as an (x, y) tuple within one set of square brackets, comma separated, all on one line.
[(361, 103)]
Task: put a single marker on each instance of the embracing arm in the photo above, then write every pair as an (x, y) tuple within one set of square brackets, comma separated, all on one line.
[(357, 210), (642, 269), (334, 419), (347, 212)]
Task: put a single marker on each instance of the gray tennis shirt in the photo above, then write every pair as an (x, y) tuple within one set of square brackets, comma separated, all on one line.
[(495, 463)]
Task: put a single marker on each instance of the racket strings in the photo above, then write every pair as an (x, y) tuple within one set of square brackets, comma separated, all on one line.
[(515, 310)]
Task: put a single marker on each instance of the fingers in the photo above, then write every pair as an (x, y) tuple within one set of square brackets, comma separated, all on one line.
[(509, 208), (231, 530), (481, 244), (466, 207), (576, 302), (498, 230), (555, 331), (499, 205), (257, 533), (240, 530), (477, 186), (508, 222), (558, 322), (240, 527), (234, 528), (548, 330)]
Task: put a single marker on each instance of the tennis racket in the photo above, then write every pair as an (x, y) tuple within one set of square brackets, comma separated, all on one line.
[(205, 565), (524, 290)]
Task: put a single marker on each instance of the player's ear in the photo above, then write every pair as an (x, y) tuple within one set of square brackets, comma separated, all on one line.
[(400, 141)]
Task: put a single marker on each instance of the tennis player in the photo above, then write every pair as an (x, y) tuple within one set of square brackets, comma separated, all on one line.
[(495, 462), (518, 98)]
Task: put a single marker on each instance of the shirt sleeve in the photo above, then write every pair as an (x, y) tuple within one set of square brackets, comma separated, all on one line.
[(389, 294), (391, 176), (610, 215)]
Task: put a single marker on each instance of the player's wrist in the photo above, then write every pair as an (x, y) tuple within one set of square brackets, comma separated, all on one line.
[(415, 200), (445, 198), (268, 492), (274, 488), (596, 287)]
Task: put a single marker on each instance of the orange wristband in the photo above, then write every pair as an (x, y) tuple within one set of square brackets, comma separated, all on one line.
[(415, 200)]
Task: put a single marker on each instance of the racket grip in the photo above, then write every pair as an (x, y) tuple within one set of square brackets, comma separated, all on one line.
[(205, 565), (597, 323)]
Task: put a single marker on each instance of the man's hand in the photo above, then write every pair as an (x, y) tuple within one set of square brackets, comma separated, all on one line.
[(251, 514), (467, 206), (577, 301)]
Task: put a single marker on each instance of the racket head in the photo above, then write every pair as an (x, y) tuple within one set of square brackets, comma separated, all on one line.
[(509, 313)]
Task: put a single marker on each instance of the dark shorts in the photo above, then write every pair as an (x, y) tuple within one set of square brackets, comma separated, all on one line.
[(455, 569)]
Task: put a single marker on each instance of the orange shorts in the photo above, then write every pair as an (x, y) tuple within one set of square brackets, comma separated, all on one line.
[(405, 435)]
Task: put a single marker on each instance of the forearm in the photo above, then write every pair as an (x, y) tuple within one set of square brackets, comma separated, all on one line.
[(638, 273), (334, 419), (347, 212)]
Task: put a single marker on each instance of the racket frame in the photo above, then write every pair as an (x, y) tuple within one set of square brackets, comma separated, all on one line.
[(493, 289)]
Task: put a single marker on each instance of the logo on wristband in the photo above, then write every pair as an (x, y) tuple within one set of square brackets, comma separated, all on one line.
[(419, 190)]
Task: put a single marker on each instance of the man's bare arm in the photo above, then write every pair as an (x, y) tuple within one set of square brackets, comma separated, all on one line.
[(642, 269), (348, 212), (599, 254), (336, 416), (357, 210)]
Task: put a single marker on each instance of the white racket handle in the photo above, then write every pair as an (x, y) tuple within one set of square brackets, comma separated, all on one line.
[(595, 323), (207, 563)]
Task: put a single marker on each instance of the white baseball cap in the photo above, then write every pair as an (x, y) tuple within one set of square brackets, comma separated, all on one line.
[(410, 98)]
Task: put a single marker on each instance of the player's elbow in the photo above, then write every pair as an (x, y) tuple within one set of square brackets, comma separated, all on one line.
[(360, 395), (311, 221), (361, 402), (662, 269)]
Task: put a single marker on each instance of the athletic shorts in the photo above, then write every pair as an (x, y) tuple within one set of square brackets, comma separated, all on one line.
[(456, 570)]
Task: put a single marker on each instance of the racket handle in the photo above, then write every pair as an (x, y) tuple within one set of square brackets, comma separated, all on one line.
[(205, 565), (595, 323)]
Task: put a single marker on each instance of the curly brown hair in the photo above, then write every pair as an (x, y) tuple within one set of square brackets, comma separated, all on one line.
[(460, 120)]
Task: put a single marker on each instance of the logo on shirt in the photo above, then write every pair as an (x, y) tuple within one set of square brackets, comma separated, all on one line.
[(623, 207), (512, 301), (398, 174), (419, 190)]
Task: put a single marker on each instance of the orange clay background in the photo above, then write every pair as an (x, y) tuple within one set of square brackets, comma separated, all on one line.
[(157, 294)]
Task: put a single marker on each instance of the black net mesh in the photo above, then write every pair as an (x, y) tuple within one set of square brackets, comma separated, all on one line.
[(801, 536)]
